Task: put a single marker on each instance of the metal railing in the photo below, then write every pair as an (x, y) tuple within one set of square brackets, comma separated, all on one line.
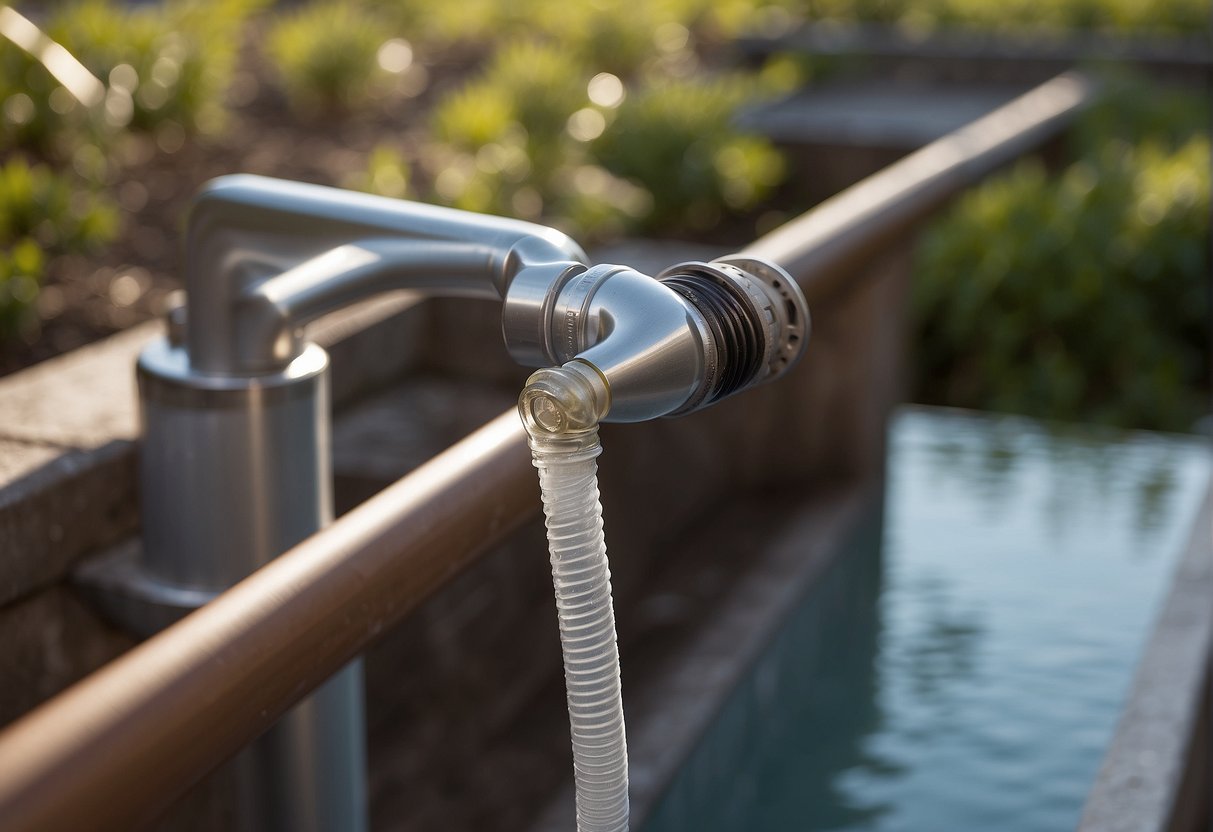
[(116, 749)]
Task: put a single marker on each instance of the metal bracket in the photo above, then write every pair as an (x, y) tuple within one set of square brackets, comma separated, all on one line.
[(129, 598)]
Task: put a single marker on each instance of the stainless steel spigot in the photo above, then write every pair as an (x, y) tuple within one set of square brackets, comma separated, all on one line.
[(234, 466), (665, 346)]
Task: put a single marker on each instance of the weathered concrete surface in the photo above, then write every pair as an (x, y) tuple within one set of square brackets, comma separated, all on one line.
[(1155, 775), (46, 639), (59, 503), (68, 485), (378, 440), (83, 400), (68, 482)]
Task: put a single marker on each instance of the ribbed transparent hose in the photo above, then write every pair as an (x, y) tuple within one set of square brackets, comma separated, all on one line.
[(561, 408)]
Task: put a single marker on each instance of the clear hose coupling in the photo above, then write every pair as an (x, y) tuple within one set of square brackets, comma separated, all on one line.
[(562, 406)]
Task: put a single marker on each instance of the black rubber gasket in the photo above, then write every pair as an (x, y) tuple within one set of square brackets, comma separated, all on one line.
[(729, 314)]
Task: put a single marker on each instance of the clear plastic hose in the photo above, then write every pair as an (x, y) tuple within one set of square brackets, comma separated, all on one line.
[(561, 408)]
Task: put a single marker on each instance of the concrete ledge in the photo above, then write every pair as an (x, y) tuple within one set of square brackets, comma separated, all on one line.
[(46, 639), (69, 482), (1154, 776)]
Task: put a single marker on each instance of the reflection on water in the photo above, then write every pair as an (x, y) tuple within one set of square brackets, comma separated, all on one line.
[(963, 665), (1084, 464)]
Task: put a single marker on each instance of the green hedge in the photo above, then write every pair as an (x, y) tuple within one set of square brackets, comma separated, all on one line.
[(42, 214), (1080, 296), (1121, 16)]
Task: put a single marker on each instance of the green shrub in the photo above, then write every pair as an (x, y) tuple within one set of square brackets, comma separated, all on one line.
[(1127, 16), (28, 121), (526, 96), (173, 60), (21, 269), (51, 209), (611, 37), (504, 141), (474, 116), (164, 66), (1133, 110), (438, 25), (608, 38), (1161, 16), (592, 204), (42, 214), (387, 173), (675, 140), (1083, 297), (326, 54)]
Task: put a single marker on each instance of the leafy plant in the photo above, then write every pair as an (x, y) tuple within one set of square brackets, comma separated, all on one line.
[(675, 139), (169, 62), (1159, 16), (505, 143), (1080, 298), (525, 97), (387, 173), (1165, 16), (440, 25), (42, 214), (37, 114), (607, 38), (326, 54)]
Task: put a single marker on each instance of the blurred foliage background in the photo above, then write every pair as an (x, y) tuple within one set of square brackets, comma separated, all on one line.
[(1082, 295), (1078, 294)]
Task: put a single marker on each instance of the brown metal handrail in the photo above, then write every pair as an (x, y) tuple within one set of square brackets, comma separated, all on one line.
[(117, 748)]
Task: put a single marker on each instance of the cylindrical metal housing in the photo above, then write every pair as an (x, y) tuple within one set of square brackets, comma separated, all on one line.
[(235, 470), (261, 442)]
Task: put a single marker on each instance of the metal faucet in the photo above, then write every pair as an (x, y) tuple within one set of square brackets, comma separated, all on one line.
[(234, 400)]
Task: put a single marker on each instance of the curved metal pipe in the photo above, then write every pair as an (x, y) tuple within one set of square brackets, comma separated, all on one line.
[(245, 231), (270, 314)]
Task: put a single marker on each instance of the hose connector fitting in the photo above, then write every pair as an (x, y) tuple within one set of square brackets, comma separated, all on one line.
[(757, 317), (563, 402), (669, 345)]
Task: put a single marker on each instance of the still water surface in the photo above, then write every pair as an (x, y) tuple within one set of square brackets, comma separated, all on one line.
[(964, 666)]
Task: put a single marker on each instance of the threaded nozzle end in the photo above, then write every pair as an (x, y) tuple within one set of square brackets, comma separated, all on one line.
[(756, 317)]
